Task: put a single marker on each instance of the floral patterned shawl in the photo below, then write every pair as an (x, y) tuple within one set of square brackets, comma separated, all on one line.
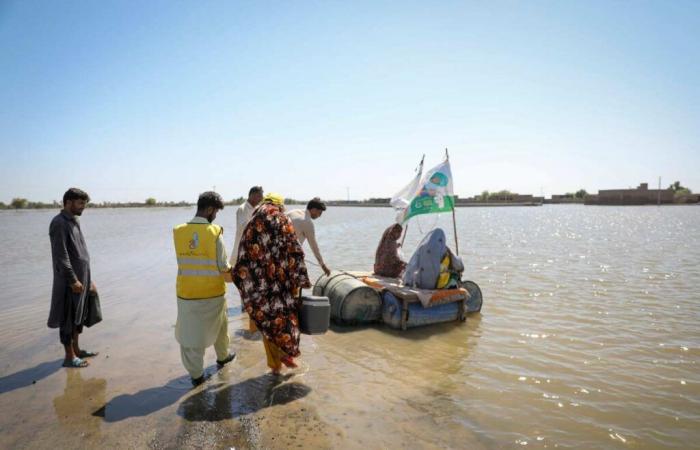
[(269, 270)]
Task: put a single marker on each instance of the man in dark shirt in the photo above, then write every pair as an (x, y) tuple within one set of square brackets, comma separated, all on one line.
[(71, 277)]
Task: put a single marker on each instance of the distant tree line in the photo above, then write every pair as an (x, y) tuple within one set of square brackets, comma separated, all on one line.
[(23, 203), (581, 193), (678, 190)]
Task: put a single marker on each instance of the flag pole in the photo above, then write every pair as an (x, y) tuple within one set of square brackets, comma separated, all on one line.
[(454, 218), (405, 230)]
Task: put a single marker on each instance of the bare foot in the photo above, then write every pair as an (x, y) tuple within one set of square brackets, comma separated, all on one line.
[(289, 362)]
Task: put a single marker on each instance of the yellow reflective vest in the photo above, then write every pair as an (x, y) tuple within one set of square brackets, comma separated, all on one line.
[(198, 275)]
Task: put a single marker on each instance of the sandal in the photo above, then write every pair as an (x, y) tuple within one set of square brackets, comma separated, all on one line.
[(87, 354), (228, 359), (76, 363)]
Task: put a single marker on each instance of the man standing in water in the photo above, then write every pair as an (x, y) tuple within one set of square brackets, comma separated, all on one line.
[(71, 277), (201, 306), (243, 215), (304, 227)]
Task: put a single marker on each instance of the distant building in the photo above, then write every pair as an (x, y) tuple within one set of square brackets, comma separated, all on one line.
[(501, 199), (642, 195)]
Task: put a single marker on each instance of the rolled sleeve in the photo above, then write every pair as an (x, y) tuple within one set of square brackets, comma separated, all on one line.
[(221, 257)]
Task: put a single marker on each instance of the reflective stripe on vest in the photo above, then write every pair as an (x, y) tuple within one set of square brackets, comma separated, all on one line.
[(197, 262), (198, 275)]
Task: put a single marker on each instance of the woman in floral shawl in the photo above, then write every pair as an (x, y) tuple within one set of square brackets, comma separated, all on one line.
[(269, 272)]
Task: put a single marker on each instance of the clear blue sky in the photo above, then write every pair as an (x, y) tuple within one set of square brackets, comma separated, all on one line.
[(167, 99)]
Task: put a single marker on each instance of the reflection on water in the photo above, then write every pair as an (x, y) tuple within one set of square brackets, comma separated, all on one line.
[(588, 338), (74, 406)]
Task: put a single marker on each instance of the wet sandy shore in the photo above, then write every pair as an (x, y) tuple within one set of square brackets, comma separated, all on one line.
[(144, 399)]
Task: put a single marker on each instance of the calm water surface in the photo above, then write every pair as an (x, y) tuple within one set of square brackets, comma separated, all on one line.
[(589, 338)]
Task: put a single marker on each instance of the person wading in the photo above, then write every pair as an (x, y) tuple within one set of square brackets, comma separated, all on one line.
[(72, 283), (243, 215), (202, 271), (304, 227), (269, 273)]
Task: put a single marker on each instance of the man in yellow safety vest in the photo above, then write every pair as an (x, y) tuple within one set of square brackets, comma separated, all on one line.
[(203, 269)]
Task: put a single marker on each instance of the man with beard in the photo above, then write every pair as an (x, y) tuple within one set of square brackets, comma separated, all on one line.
[(72, 283), (203, 269)]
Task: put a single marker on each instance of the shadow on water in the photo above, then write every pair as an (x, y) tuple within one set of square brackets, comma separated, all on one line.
[(29, 376), (144, 402), (248, 335), (221, 401), (148, 400)]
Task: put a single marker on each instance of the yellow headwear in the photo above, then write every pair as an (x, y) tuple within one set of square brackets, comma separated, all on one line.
[(274, 198)]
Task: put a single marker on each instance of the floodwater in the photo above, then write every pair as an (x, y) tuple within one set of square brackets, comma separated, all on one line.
[(589, 338)]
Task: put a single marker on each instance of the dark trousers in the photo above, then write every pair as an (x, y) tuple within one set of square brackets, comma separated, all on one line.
[(65, 333)]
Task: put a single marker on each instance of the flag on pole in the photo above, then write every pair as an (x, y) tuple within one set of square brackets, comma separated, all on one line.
[(432, 193), (402, 199)]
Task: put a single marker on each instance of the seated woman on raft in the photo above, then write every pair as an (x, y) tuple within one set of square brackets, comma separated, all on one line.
[(387, 262), (433, 265)]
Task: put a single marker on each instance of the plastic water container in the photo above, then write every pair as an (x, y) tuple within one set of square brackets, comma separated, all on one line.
[(315, 314)]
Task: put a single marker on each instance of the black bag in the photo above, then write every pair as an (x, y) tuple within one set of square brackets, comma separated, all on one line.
[(94, 310)]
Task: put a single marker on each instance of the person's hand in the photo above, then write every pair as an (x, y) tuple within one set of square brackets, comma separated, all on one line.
[(93, 288), (306, 284), (77, 287), (326, 270), (228, 276)]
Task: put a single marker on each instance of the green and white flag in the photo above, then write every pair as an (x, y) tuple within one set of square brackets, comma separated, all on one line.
[(432, 193)]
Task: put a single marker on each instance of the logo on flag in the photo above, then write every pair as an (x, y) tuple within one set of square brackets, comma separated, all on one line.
[(432, 193)]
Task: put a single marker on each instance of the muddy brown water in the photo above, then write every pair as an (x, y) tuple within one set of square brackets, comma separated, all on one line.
[(589, 338)]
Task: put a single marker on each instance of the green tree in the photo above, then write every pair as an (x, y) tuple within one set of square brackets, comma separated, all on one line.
[(501, 195), (150, 201), (484, 196), (3, 205), (681, 192), (19, 203), (676, 186), (581, 193)]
